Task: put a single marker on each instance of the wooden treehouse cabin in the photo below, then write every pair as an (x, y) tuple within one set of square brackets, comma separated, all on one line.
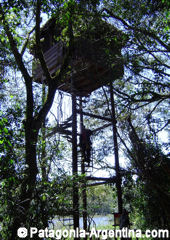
[(96, 59)]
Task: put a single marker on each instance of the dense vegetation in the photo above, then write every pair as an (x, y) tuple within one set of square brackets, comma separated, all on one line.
[(35, 176)]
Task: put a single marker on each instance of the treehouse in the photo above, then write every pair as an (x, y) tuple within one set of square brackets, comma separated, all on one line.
[(95, 61)]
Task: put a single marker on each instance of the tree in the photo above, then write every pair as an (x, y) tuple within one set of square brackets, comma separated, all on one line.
[(145, 84), (10, 14), (100, 200), (151, 167), (143, 95)]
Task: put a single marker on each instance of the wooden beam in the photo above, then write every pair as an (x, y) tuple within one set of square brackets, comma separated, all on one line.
[(97, 183), (103, 181), (75, 160), (83, 171), (60, 130), (116, 151), (96, 116), (101, 178)]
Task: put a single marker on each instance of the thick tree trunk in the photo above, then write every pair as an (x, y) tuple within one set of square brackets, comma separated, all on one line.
[(28, 186)]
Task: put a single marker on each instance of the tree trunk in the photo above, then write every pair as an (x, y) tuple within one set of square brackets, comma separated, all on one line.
[(28, 185)]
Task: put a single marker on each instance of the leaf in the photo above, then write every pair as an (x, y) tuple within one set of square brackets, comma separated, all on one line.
[(44, 197), (11, 161), (5, 130)]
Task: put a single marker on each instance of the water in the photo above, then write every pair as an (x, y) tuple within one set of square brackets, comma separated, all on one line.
[(95, 221), (100, 220)]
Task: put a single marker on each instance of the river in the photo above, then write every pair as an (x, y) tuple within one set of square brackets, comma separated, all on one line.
[(97, 221)]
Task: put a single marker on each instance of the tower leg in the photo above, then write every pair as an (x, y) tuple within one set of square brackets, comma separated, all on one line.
[(117, 167), (84, 195), (74, 164)]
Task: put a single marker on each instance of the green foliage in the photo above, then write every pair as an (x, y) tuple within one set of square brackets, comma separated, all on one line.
[(100, 200), (150, 186), (6, 158), (9, 179), (51, 198)]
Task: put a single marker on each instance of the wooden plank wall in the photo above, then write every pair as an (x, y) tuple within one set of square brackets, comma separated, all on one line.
[(53, 58)]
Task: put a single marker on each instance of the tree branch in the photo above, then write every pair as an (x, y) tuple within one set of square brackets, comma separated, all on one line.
[(21, 66), (13, 46), (46, 107), (38, 44), (136, 29), (26, 42)]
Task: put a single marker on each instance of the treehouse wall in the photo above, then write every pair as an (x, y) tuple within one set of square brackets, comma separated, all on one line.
[(53, 58)]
